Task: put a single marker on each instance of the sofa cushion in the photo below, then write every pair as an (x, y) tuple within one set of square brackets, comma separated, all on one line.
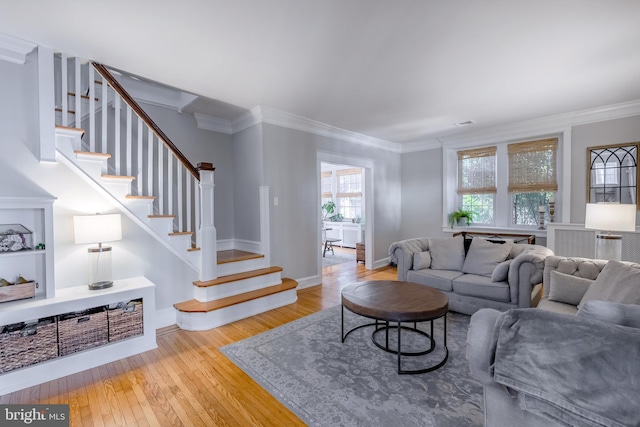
[(421, 260), (484, 256), (439, 279), (447, 254), (501, 272), (557, 307), (617, 282), (567, 288), (481, 287), (612, 312)]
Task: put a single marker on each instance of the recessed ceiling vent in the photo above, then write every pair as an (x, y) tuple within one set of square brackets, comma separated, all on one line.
[(462, 124)]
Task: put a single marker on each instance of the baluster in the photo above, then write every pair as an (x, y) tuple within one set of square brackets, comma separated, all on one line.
[(196, 198), (78, 91), (129, 154), (64, 90), (180, 172), (103, 142), (150, 162), (161, 177), (92, 110), (170, 184), (116, 132), (188, 191), (140, 170)]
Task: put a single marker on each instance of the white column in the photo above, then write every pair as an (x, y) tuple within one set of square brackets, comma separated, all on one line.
[(265, 233), (46, 106), (207, 233)]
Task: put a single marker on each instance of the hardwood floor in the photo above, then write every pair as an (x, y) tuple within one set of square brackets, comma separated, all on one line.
[(187, 381)]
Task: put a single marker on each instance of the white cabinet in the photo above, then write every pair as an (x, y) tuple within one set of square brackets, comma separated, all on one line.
[(36, 214), (349, 233)]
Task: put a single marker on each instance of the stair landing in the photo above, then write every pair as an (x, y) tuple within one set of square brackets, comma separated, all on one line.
[(235, 255)]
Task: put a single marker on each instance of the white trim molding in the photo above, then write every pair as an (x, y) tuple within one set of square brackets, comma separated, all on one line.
[(15, 50), (213, 124)]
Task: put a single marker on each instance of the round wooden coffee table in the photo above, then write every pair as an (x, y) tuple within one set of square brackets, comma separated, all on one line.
[(391, 301)]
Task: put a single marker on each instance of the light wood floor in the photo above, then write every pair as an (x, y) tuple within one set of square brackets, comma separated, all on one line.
[(187, 381)]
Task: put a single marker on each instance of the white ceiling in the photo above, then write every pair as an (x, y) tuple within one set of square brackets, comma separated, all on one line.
[(401, 70)]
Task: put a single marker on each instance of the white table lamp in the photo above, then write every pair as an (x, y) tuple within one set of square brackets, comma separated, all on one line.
[(610, 217), (98, 229)]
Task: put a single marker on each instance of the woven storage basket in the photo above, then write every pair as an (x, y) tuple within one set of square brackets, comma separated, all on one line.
[(82, 330), (125, 320), (23, 345)]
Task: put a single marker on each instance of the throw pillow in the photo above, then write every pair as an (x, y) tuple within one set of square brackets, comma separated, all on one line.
[(484, 256), (447, 254), (421, 260), (617, 282), (567, 288), (501, 272), (612, 312)]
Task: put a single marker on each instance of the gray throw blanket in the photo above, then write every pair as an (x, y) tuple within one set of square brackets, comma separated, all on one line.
[(409, 246), (573, 370)]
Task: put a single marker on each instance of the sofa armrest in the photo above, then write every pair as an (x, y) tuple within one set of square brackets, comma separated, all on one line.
[(526, 270), (481, 344), (401, 253), (585, 268)]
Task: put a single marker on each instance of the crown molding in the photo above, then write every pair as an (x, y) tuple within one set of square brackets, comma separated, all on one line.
[(246, 120), (412, 147), (213, 124), (549, 125), (14, 50)]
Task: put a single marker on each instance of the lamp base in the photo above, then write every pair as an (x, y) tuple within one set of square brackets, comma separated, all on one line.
[(101, 285), (609, 246)]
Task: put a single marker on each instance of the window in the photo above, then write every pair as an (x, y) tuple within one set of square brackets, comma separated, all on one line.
[(477, 182), (613, 173), (349, 196), (532, 179), (327, 187)]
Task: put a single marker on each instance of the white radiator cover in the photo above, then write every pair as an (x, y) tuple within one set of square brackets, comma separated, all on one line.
[(575, 240)]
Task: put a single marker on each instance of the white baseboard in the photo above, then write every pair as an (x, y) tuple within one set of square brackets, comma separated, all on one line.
[(241, 245), (381, 263), (307, 282), (225, 245)]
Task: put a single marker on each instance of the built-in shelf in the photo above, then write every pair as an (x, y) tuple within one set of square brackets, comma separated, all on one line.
[(29, 252)]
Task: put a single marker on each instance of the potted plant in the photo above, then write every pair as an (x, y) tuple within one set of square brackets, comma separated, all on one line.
[(460, 217), (329, 212)]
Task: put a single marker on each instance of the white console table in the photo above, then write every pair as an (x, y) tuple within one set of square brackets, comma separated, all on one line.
[(75, 299)]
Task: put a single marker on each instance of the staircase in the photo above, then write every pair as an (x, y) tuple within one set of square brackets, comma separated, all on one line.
[(128, 159)]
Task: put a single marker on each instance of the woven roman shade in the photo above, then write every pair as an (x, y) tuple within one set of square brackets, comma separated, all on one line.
[(532, 166), (477, 171), (326, 194), (343, 172)]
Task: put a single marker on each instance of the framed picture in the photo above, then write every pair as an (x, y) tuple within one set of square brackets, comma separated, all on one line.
[(612, 173)]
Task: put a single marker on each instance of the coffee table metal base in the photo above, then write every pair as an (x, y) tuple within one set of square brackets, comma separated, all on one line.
[(386, 326)]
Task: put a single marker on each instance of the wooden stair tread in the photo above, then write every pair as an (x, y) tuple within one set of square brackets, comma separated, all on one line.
[(235, 255), (81, 96), (180, 233), (194, 306), (161, 216), (59, 110), (123, 177), (238, 276), (193, 249), (132, 197), (71, 128), (92, 154)]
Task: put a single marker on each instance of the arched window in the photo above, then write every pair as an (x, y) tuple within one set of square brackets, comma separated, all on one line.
[(613, 174)]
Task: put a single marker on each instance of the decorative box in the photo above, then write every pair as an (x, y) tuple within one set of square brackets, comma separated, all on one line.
[(360, 252), (82, 330), (12, 292), (26, 344), (125, 320), (15, 237)]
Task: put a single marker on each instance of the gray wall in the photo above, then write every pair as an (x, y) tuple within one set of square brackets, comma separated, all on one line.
[(609, 132), (199, 145), (422, 194), (291, 172), (247, 179)]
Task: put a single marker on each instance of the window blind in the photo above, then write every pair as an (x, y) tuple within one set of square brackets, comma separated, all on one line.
[(532, 166), (477, 171)]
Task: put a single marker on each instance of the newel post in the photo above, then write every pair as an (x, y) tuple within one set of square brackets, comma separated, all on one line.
[(207, 231)]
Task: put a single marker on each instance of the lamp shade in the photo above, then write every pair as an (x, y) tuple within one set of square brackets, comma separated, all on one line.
[(610, 217), (97, 228)]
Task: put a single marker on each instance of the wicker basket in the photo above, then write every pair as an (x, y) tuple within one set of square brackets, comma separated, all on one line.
[(82, 330), (23, 345), (125, 320)]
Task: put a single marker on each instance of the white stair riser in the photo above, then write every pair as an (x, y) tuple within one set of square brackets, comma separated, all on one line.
[(162, 226), (117, 187), (212, 293), (230, 268), (142, 208), (181, 242), (213, 319), (93, 168)]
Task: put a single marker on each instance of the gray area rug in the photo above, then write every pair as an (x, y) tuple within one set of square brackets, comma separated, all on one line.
[(330, 259), (324, 382)]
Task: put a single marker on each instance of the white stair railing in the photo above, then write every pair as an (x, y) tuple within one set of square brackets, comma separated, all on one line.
[(114, 123)]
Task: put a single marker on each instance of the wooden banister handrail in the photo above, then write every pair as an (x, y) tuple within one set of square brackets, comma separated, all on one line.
[(104, 72)]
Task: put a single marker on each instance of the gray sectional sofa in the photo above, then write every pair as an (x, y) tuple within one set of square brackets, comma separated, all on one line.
[(499, 276), (573, 360)]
